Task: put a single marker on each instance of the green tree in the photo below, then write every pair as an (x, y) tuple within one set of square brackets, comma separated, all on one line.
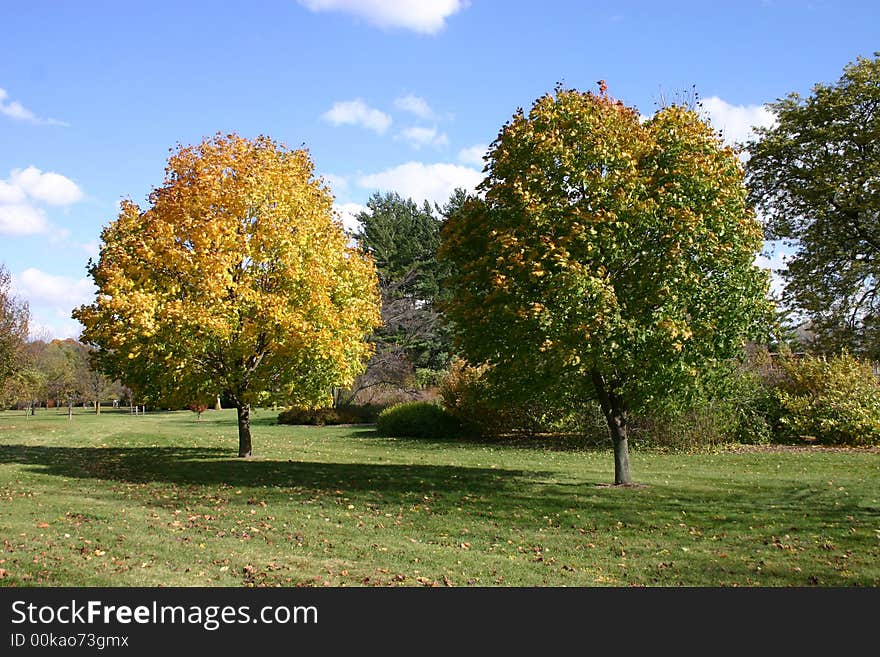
[(25, 387), (610, 258), (403, 239), (97, 386), (236, 278), (63, 364), (14, 318), (815, 176)]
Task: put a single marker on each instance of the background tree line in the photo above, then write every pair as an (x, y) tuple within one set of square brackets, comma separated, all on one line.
[(59, 374)]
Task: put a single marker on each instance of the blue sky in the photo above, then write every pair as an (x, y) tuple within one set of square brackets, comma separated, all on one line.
[(386, 94)]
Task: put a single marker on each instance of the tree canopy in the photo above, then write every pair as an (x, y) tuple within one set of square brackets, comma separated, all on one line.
[(609, 259), (237, 278), (815, 176), (14, 319), (403, 239)]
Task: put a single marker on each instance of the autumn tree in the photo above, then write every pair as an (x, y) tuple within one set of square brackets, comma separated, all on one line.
[(235, 278), (14, 318), (610, 259), (815, 175)]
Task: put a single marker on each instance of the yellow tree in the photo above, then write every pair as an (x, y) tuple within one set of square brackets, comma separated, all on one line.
[(237, 277)]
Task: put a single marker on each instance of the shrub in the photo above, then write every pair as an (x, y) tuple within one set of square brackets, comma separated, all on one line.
[(417, 420), (699, 425), (743, 400), (465, 395), (834, 401), (735, 402), (485, 408), (703, 423), (198, 408), (348, 414), (428, 378)]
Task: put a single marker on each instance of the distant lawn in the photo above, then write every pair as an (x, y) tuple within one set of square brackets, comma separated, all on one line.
[(118, 500)]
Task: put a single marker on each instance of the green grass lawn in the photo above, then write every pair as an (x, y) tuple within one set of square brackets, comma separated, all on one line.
[(119, 500)]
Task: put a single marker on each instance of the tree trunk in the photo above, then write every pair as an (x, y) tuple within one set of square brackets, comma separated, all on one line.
[(97, 407), (217, 406), (69, 410), (615, 412), (244, 429)]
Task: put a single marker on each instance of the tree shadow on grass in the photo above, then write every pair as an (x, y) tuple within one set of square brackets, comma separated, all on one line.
[(213, 466), (581, 442), (737, 517)]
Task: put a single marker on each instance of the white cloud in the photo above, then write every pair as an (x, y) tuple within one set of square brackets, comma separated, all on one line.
[(19, 194), (51, 299), (414, 105), (59, 293), (51, 328), (49, 187), (736, 121), (423, 16), (347, 213), (10, 193), (357, 112), (421, 182), (15, 110), (22, 219), (418, 137), (473, 155)]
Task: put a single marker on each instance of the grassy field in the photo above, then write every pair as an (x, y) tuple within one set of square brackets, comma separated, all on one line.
[(119, 500)]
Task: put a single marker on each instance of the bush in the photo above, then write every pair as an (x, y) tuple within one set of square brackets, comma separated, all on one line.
[(833, 401), (428, 378), (734, 403), (703, 423), (349, 414), (198, 408), (465, 395), (417, 420), (488, 409), (699, 425)]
